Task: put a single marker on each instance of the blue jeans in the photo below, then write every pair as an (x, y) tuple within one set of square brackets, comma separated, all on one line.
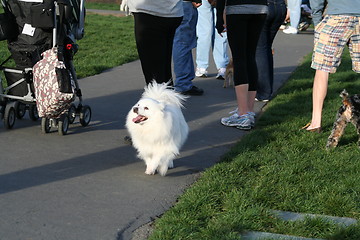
[(295, 12), (264, 57), (208, 39), (184, 42)]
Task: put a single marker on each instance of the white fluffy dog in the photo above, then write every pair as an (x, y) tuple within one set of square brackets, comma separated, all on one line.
[(157, 127)]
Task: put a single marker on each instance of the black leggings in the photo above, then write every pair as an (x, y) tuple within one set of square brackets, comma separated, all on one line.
[(243, 31), (154, 40)]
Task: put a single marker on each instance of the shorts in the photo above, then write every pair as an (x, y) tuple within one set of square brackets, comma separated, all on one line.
[(331, 36)]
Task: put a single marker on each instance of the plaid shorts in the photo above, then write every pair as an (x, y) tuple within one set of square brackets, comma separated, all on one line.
[(331, 36)]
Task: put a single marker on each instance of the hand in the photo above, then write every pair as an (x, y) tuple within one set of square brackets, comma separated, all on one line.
[(220, 27), (124, 6), (196, 5)]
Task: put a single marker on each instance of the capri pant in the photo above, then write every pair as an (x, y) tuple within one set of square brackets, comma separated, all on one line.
[(243, 31)]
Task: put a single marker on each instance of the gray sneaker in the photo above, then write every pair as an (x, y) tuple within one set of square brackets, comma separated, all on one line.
[(244, 122), (230, 121), (252, 117)]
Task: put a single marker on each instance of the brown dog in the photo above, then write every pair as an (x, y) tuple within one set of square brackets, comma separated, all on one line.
[(348, 112), (229, 74)]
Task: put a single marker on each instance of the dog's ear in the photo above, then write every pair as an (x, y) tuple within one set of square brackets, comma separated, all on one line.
[(344, 94)]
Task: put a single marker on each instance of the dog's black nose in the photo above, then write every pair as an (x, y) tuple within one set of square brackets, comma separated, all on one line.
[(135, 109)]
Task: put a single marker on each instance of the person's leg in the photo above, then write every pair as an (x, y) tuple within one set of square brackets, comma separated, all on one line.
[(295, 12), (184, 42), (154, 39), (144, 40), (319, 93), (243, 42), (264, 53), (165, 70), (264, 58), (256, 24), (204, 30), (237, 37), (220, 48), (330, 38)]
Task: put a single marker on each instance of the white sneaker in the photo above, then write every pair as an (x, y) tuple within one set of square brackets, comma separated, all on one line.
[(290, 30), (201, 72), (221, 74)]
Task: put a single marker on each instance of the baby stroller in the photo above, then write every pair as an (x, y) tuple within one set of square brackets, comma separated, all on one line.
[(31, 27)]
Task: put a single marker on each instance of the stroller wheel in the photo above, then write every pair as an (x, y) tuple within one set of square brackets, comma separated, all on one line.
[(33, 113), (9, 116), (72, 113), (45, 125), (85, 115), (63, 124), (20, 109)]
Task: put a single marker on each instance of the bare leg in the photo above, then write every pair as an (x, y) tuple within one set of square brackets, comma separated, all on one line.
[(319, 94), (242, 96)]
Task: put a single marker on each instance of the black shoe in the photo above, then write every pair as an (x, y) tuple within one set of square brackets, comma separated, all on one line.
[(262, 100), (194, 91)]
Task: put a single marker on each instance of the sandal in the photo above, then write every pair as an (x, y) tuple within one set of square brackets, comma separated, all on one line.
[(316, 130)]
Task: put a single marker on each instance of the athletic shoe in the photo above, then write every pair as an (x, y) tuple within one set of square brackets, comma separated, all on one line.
[(290, 30), (236, 110), (201, 72), (221, 74), (262, 100), (228, 121), (244, 122)]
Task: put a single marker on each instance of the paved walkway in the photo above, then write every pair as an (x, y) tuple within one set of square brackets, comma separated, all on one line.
[(89, 184)]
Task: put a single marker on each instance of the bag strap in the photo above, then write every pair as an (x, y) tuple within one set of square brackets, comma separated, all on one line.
[(61, 35)]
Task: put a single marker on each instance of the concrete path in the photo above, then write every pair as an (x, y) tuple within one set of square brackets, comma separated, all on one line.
[(89, 184)]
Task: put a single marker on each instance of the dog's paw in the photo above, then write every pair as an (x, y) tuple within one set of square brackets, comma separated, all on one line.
[(331, 143), (162, 170), (150, 171)]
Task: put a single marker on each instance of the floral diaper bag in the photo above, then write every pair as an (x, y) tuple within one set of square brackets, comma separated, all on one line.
[(49, 75)]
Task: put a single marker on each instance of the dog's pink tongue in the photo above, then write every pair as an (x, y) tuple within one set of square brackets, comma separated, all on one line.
[(138, 119)]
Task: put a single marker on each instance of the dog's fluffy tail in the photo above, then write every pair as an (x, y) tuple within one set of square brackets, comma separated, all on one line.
[(162, 93)]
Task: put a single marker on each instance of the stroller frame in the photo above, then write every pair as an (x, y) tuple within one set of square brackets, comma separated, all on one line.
[(13, 106)]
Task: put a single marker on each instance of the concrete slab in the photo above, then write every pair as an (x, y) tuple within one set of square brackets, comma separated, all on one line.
[(292, 216), (268, 236)]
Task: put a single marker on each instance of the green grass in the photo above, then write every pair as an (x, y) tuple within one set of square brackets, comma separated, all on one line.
[(108, 42), (103, 6), (277, 167)]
